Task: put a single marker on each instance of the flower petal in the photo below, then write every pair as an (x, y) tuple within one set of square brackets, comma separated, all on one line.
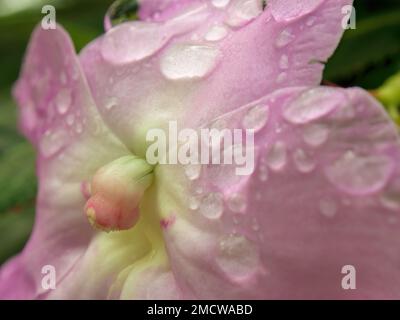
[(162, 9), (59, 116), (324, 195), (143, 74)]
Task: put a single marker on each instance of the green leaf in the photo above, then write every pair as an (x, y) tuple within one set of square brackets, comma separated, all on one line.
[(15, 228), (374, 44), (17, 175), (17, 162), (389, 95)]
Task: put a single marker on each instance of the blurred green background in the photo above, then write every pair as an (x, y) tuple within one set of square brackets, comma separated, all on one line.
[(368, 56)]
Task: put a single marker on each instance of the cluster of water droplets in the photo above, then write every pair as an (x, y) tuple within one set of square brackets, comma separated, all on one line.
[(237, 256)]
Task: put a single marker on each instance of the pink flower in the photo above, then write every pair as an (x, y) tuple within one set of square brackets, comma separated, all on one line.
[(324, 193)]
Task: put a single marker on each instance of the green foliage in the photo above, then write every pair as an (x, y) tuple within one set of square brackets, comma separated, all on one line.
[(370, 54), (17, 184)]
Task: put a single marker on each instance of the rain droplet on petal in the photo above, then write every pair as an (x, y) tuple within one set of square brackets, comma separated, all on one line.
[(276, 157), (188, 61), (63, 100), (284, 38), (281, 78), (194, 203), (255, 226), (315, 135), (357, 174), (243, 11), (284, 62), (304, 163), (192, 171), (390, 198), (310, 21), (391, 202), (129, 43), (236, 203), (212, 206), (312, 104), (63, 78), (111, 103), (220, 3), (263, 176), (238, 257), (216, 33), (79, 128), (52, 142), (70, 119), (121, 11), (256, 118), (328, 208)]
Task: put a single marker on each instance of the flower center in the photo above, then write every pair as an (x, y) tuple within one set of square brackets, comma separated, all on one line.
[(116, 192)]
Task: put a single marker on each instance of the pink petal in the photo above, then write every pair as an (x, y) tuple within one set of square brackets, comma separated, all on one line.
[(59, 116), (162, 9), (156, 71), (324, 194)]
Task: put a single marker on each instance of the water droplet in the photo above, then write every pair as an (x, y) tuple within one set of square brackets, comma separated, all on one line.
[(276, 157), (303, 162), (255, 226), (236, 203), (220, 3), (63, 78), (186, 61), (391, 202), (281, 78), (198, 190), (312, 104), (360, 174), (216, 33), (345, 112), (63, 100), (70, 119), (111, 103), (212, 206), (328, 208), (284, 38), (121, 11), (256, 118), (129, 43), (390, 198), (52, 142), (263, 173), (284, 62), (315, 135), (238, 257), (79, 128), (243, 11), (193, 171), (194, 203), (219, 124), (74, 71), (310, 21)]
